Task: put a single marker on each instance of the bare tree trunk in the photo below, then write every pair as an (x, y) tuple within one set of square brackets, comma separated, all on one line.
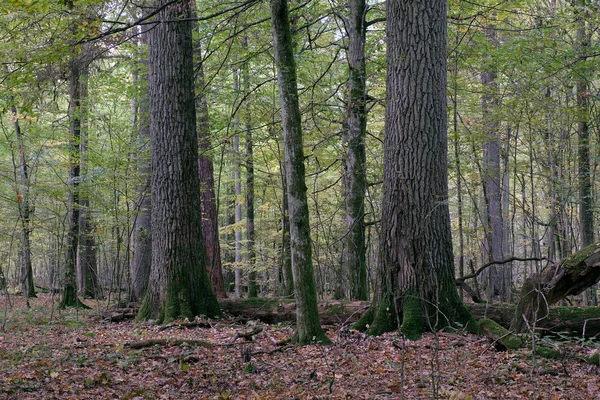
[(308, 328), (69, 298), (179, 284), (25, 211), (419, 290), (141, 260), (355, 180), (238, 192), (586, 201), (210, 216), (250, 233), (87, 268)]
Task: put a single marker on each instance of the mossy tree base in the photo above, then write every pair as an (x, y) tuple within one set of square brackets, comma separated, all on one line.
[(70, 299)]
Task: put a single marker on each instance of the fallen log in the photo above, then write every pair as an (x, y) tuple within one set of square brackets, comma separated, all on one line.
[(571, 276), (273, 311), (576, 321)]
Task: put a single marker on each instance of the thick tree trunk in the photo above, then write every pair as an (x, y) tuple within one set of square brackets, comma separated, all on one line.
[(355, 181), (570, 277), (308, 328), (25, 210), (179, 285), (210, 217), (419, 290)]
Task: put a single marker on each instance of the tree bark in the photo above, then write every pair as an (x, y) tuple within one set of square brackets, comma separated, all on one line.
[(250, 232), (418, 289), (355, 181), (210, 217), (87, 268), (179, 285), (25, 209), (308, 328), (586, 200), (497, 279), (69, 298), (237, 183), (570, 277), (141, 260)]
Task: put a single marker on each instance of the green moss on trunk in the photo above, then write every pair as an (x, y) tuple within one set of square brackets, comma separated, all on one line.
[(413, 322), (366, 320), (385, 320)]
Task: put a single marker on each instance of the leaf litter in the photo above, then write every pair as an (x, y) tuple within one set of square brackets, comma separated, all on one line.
[(75, 355)]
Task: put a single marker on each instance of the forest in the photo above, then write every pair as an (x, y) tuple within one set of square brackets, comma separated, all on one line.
[(299, 199)]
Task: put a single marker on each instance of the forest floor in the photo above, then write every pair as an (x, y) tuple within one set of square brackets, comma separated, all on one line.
[(73, 354)]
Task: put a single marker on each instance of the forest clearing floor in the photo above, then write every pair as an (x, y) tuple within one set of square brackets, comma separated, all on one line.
[(73, 354)]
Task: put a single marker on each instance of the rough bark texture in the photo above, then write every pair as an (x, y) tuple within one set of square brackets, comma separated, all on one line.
[(308, 328), (416, 243), (570, 277), (25, 210), (355, 181), (210, 220), (179, 285)]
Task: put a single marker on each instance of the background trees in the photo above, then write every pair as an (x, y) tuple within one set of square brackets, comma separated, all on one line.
[(545, 90)]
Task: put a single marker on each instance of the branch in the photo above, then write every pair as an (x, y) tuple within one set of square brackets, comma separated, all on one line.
[(506, 261), (167, 342)]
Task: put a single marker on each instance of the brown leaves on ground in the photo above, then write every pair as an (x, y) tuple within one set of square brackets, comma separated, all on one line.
[(74, 356)]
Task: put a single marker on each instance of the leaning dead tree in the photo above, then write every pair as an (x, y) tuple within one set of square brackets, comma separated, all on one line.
[(569, 277)]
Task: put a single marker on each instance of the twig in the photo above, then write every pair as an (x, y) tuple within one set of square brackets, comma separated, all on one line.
[(168, 342)]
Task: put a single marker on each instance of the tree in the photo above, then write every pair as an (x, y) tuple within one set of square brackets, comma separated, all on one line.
[(210, 223), (355, 181), (416, 246), (69, 298), (308, 327), (25, 209), (141, 260), (179, 285)]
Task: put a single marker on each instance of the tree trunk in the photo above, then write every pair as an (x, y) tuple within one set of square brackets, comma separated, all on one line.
[(586, 201), (355, 181), (497, 279), (308, 328), (25, 210), (141, 245), (179, 285), (237, 183), (69, 298), (210, 216), (570, 277), (250, 234), (418, 289), (87, 268), (286, 256)]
